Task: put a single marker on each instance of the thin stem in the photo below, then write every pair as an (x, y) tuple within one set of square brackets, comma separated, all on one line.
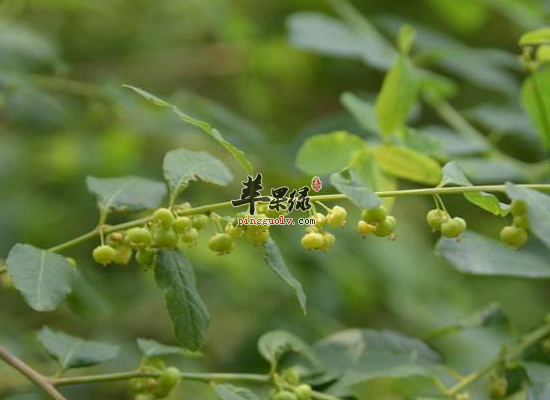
[(192, 376), (41, 381), (327, 197)]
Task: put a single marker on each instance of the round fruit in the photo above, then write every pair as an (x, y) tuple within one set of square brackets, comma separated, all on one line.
[(518, 207), (303, 392), (435, 218), (181, 224), (451, 228), (234, 231), (221, 243), (145, 257), (375, 215), (169, 379), (498, 388), (387, 227), (165, 238), (514, 236), (104, 254), (139, 236), (462, 223), (123, 255), (291, 376), (200, 221), (543, 53), (190, 236), (364, 228), (320, 220), (164, 216), (285, 395), (329, 240), (336, 217), (312, 241), (521, 221), (258, 236)]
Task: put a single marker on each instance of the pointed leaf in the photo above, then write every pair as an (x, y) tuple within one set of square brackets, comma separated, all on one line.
[(152, 348), (539, 377), (230, 392), (352, 186), (128, 193), (408, 164), (274, 259), (43, 277), (362, 110), (74, 352), (204, 126), (536, 37), (478, 255), (174, 274), (182, 166), (273, 345)]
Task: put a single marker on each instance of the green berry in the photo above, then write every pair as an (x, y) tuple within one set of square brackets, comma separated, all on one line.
[(498, 388), (181, 224), (375, 215), (387, 227), (165, 238), (285, 395), (189, 236), (312, 241), (221, 243), (320, 220), (329, 240), (146, 257), (164, 216), (235, 231), (514, 236), (104, 254), (139, 236), (452, 228), (311, 229), (364, 228), (337, 217), (518, 207), (291, 376), (258, 236), (435, 218), (168, 380), (522, 221), (543, 53), (123, 255), (200, 221), (115, 238), (462, 223), (303, 392)]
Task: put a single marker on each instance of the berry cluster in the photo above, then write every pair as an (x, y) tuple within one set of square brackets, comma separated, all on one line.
[(290, 388), (376, 220), (440, 221), (316, 237), (516, 234), (155, 388)]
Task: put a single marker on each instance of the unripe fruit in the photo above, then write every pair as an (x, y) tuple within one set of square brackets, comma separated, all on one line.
[(498, 388), (234, 231), (303, 392), (104, 254), (189, 236), (181, 224), (543, 53), (320, 220), (165, 238), (337, 217), (364, 228), (329, 240), (387, 227), (284, 395), (139, 236), (291, 376), (374, 215), (200, 221), (145, 257), (168, 380), (116, 238), (522, 221), (258, 236), (462, 223), (518, 207), (164, 216), (452, 228), (123, 255), (514, 236), (221, 243), (435, 218), (311, 229), (312, 241)]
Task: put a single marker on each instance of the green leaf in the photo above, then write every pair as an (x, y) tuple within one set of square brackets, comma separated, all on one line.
[(230, 392), (326, 153), (539, 377), (74, 352), (204, 126), (408, 164), (478, 255), (152, 348), (182, 166), (397, 96), (535, 98), (44, 278), (538, 210), (273, 345), (484, 170), (453, 175), (536, 37), (405, 39), (362, 110), (174, 274), (352, 186), (127, 193), (274, 259)]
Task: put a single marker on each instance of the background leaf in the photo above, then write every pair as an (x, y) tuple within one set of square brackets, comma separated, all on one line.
[(362, 110), (128, 193), (153, 348), (535, 98), (408, 164), (539, 376), (272, 345), (73, 352), (174, 274), (230, 392), (43, 277)]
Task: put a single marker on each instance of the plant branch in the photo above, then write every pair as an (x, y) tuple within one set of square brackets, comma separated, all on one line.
[(41, 381)]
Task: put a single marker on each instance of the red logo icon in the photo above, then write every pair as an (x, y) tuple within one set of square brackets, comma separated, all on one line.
[(316, 183)]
